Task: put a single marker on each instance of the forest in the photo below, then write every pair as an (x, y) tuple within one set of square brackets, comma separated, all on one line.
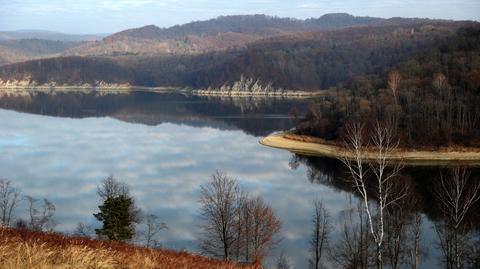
[(308, 61), (431, 98)]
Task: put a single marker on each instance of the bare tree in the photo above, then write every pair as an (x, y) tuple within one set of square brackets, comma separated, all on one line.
[(236, 226), (283, 262), (111, 187), (219, 211), (381, 169), (399, 218), (415, 251), (84, 230), (353, 249), (456, 194), (263, 226), (394, 79), (241, 228), (9, 197), (41, 218), (321, 228), (154, 226)]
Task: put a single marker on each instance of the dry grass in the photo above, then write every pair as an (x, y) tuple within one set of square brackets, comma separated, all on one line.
[(306, 138), (29, 249)]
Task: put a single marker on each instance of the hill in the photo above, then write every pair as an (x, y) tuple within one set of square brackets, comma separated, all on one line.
[(47, 35), (322, 59), (260, 25), (307, 61), (437, 86), (20, 46), (30, 249), (18, 50), (221, 33)]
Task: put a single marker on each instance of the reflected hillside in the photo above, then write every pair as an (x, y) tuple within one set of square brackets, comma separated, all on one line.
[(254, 115), (425, 182)]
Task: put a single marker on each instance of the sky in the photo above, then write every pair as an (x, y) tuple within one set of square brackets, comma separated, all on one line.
[(108, 16)]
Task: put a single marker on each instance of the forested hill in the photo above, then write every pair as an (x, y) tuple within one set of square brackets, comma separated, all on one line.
[(309, 60), (430, 97), (221, 33), (323, 59), (261, 25)]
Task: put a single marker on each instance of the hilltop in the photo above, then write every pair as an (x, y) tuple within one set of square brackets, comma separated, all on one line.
[(225, 32), (222, 33)]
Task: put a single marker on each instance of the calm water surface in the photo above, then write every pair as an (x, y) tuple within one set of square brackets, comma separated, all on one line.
[(164, 146)]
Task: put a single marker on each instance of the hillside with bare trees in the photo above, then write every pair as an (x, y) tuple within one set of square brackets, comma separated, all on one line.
[(306, 61)]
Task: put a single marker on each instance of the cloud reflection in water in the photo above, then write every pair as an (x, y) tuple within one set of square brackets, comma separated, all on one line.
[(64, 160)]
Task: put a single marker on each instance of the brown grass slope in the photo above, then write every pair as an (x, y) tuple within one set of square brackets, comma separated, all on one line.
[(31, 249)]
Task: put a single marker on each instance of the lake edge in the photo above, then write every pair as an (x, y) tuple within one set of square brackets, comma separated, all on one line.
[(471, 156)]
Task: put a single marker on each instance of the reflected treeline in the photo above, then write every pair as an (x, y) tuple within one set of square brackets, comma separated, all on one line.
[(447, 198), (255, 115)]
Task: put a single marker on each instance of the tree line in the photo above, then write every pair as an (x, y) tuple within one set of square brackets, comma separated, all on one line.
[(437, 88)]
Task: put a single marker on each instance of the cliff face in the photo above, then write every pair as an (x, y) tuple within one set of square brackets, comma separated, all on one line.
[(250, 87), (32, 84)]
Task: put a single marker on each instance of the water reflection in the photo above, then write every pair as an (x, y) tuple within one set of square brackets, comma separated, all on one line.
[(64, 159), (436, 224), (180, 142), (254, 115)]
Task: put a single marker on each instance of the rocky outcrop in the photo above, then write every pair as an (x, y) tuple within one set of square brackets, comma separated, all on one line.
[(28, 83), (251, 87)]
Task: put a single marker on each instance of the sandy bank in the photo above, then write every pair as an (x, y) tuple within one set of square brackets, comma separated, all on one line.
[(314, 147)]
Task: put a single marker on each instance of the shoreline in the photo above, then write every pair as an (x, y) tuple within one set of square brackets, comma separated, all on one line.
[(163, 89), (470, 157)]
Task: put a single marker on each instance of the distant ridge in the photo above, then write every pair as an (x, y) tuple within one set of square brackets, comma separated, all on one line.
[(221, 33), (258, 24), (48, 35), (197, 37)]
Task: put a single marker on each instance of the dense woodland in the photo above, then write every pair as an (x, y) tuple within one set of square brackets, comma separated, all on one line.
[(314, 60), (322, 59), (431, 97), (225, 32)]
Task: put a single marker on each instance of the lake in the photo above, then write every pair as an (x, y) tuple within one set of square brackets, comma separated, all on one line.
[(164, 146)]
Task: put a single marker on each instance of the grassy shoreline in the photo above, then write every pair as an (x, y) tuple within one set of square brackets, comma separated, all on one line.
[(32, 249), (311, 146)]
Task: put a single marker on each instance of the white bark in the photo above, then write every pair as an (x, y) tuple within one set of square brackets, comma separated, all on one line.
[(383, 171)]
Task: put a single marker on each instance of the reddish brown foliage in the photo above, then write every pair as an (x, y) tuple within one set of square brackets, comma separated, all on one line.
[(120, 253)]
